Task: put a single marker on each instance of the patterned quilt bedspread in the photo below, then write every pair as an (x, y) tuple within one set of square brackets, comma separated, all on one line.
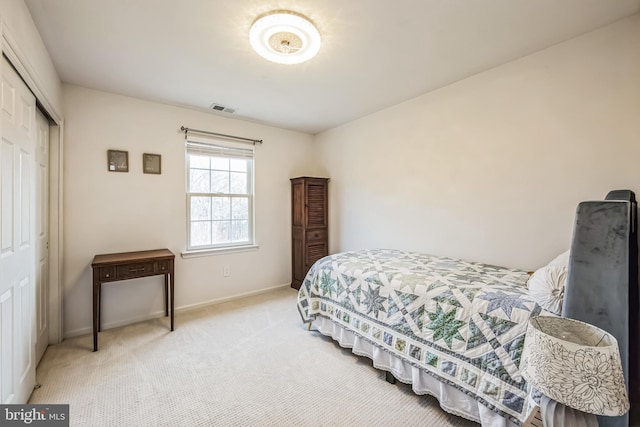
[(461, 322)]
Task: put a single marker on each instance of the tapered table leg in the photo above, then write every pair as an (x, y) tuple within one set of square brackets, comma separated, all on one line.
[(172, 298), (96, 313), (166, 294), (99, 306)]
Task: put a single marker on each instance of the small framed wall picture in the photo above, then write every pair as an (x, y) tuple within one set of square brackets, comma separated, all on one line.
[(152, 163), (117, 161)]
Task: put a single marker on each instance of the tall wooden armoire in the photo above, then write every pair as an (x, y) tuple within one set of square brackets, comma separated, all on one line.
[(309, 225)]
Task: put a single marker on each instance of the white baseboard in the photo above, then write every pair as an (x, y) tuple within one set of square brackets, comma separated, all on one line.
[(160, 313), (227, 299)]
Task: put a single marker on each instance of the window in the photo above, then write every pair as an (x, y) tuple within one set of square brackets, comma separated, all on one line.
[(219, 195)]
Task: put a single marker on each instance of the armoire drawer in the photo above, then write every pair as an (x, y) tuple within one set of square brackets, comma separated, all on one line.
[(320, 234)]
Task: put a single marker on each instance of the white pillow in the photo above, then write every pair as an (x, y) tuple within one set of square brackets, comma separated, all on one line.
[(546, 286)]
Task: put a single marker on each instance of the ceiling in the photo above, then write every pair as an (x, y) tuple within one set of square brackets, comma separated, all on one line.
[(375, 53)]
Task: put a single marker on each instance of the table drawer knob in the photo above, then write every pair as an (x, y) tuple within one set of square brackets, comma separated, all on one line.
[(107, 273)]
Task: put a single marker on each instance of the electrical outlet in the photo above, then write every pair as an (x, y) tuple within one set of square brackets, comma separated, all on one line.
[(226, 271)]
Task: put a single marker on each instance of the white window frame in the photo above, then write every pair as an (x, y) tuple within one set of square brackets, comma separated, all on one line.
[(220, 148)]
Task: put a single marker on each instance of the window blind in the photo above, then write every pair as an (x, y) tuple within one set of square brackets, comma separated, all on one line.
[(220, 148)]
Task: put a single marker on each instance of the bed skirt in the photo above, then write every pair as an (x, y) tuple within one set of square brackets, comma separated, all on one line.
[(451, 399)]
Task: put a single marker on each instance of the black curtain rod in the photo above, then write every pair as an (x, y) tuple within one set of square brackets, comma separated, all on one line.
[(204, 132)]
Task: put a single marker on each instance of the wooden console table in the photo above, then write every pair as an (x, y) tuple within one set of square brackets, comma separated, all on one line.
[(131, 265)]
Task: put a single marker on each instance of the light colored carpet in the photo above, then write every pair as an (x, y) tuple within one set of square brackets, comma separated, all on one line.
[(248, 362)]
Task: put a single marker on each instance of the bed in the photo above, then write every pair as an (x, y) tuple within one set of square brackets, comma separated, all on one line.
[(455, 329)]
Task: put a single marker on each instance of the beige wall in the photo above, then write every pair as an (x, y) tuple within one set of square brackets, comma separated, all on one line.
[(491, 168), (113, 212)]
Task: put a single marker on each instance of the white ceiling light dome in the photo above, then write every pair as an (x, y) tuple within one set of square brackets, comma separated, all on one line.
[(285, 37)]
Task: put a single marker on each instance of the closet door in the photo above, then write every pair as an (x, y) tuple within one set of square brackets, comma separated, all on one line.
[(17, 238)]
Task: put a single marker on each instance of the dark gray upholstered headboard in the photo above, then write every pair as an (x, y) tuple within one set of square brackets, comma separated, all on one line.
[(602, 283)]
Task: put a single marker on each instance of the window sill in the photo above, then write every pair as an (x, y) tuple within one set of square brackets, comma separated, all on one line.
[(219, 251)]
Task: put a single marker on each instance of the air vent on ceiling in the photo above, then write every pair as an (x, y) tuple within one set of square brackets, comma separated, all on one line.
[(218, 107)]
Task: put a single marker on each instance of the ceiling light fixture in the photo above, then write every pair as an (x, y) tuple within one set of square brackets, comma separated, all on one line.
[(284, 37)]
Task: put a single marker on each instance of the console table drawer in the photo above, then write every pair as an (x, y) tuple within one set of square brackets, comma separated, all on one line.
[(107, 273), (136, 270), (163, 266)]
